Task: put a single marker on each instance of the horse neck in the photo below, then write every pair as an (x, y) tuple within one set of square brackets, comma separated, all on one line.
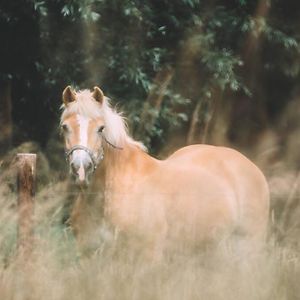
[(121, 167)]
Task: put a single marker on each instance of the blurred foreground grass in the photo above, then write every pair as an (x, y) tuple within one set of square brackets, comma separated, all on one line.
[(56, 271)]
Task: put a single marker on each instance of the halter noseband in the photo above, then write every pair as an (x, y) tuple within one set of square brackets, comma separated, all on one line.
[(95, 160)]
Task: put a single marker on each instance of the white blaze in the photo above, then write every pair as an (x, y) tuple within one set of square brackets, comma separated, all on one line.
[(81, 173), (81, 155), (83, 130)]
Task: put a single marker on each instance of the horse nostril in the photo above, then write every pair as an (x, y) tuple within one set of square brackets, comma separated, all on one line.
[(73, 168), (90, 166)]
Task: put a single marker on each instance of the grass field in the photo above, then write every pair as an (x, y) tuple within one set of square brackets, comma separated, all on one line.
[(55, 270)]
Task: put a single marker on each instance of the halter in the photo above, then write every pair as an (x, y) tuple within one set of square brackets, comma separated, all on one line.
[(109, 143), (94, 159)]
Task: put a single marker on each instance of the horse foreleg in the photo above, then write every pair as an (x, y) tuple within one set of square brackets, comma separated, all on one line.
[(81, 224), (156, 246)]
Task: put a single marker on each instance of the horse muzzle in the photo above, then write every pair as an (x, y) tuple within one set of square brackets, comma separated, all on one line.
[(81, 168), (83, 162)]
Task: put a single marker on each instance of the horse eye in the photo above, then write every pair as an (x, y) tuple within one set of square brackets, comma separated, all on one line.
[(64, 127), (100, 129)]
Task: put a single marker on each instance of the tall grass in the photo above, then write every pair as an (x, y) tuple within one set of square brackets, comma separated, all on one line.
[(56, 270)]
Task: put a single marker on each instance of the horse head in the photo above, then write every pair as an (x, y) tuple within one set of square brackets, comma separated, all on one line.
[(83, 128)]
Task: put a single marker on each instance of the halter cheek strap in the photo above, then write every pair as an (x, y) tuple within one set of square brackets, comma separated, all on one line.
[(109, 143)]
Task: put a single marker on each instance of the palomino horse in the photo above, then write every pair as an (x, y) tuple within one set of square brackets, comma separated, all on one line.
[(200, 193)]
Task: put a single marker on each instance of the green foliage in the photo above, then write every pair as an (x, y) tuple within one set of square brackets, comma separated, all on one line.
[(123, 45)]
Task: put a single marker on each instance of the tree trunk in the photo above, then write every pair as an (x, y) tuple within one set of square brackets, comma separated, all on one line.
[(5, 116), (154, 100), (193, 125), (217, 126)]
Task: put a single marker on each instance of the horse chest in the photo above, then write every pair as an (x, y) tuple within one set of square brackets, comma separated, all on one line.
[(136, 211)]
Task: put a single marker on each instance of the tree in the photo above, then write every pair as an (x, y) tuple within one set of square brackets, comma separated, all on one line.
[(168, 63)]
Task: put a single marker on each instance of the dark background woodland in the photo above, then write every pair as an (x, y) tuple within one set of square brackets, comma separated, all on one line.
[(183, 71)]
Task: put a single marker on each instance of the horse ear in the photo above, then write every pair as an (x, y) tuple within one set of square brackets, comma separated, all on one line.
[(98, 95), (68, 95)]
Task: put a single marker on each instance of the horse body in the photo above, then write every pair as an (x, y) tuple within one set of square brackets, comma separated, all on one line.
[(200, 193)]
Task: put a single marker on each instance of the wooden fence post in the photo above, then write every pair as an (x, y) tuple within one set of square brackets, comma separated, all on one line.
[(26, 191)]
